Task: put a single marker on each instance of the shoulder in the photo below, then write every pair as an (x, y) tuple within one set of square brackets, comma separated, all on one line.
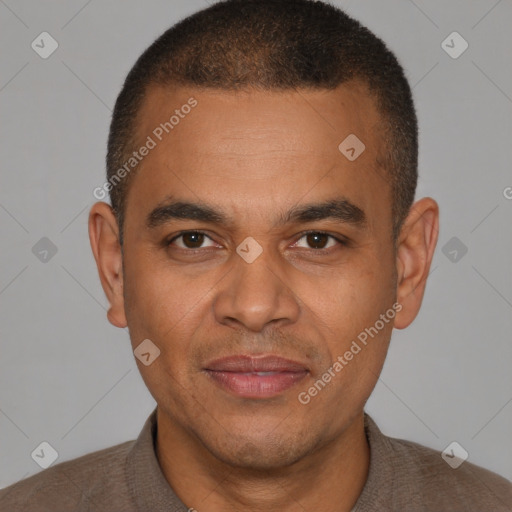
[(407, 476), (83, 483), (432, 480)]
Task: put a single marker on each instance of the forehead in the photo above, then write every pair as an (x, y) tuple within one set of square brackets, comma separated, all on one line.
[(258, 150)]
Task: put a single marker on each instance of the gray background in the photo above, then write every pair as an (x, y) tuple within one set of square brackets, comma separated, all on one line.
[(69, 378)]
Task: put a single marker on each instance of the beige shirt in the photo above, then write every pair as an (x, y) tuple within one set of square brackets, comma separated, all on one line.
[(403, 477)]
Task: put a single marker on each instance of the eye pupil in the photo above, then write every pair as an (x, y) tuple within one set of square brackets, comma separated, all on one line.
[(316, 239), (193, 240)]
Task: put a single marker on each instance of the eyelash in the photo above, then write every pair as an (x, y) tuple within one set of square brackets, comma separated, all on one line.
[(341, 241)]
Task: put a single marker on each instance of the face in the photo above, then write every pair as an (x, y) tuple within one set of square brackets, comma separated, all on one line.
[(256, 257)]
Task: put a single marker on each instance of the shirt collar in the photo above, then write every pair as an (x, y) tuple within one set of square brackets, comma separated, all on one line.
[(149, 487), (381, 474)]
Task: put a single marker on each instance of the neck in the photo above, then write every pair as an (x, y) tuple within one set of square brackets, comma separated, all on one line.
[(330, 478)]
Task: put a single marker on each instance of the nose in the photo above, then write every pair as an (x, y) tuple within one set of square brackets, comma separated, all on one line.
[(255, 294)]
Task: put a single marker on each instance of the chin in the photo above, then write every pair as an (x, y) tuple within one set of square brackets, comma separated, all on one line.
[(261, 452)]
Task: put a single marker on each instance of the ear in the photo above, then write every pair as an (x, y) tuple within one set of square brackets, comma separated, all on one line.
[(415, 250), (104, 238)]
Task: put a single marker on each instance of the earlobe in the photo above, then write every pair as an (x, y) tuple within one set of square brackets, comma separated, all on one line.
[(104, 239), (416, 245)]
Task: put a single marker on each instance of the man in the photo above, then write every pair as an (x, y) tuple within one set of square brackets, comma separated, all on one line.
[(263, 242)]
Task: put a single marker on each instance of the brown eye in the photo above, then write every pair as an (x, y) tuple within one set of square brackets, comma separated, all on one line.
[(318, 240), (193, 240), (190, 240)]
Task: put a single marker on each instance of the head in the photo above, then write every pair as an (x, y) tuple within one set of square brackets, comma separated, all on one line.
[(269, 210)]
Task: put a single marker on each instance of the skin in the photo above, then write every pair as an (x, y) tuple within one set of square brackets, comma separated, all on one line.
[(255, 155)]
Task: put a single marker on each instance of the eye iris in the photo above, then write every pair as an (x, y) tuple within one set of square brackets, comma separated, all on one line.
[(193, 240), (316, 239)]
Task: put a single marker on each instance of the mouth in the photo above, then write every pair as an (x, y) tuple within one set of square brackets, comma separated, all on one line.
[(255, 377)]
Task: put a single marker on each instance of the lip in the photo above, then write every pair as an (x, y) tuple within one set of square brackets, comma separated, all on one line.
[(256, 376)]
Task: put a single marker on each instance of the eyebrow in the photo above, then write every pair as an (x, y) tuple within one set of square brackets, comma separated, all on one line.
[(338, 209)]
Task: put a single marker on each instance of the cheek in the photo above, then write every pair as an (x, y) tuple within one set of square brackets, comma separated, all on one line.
[(160, 301), (164, 307), (348, 308), (351, 300)]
